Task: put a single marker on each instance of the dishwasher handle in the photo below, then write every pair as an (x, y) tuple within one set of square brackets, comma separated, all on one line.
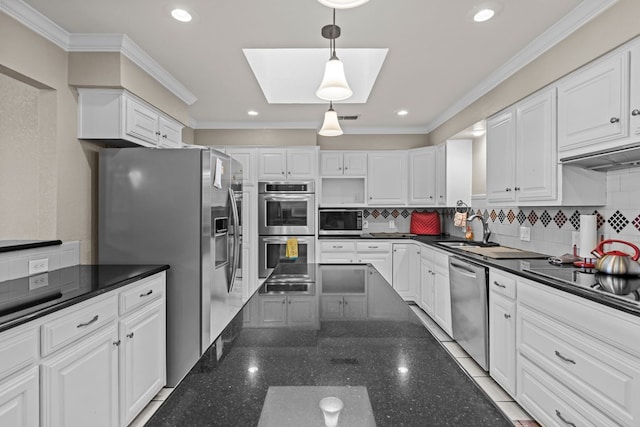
[(462, 269)]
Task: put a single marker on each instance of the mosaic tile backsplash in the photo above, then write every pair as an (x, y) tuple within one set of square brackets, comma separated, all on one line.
[(551, 227)]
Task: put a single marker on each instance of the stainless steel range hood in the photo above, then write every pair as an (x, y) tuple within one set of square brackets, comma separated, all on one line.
[(626, 157)]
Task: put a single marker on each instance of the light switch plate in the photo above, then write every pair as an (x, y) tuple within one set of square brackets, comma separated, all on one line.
[(392, 224), (38, 266), (525, 234), (365, 224)]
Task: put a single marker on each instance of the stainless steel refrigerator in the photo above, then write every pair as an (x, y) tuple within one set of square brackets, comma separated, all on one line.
[(177, 207)]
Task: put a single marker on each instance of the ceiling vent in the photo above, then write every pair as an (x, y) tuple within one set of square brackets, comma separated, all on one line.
[(348, 117)]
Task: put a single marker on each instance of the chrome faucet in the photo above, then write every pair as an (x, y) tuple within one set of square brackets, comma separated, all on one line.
[(486, 233)]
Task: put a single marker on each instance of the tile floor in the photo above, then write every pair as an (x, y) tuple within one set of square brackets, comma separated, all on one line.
[(506, 404)]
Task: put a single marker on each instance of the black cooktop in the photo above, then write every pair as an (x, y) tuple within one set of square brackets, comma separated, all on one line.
[(624, 287)]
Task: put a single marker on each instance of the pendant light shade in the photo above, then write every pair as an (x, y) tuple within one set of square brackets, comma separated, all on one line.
[(330, 126), (342, 4), (334, 86)]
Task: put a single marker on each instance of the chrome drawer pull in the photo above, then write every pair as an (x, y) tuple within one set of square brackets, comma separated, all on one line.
[(372, 247), (116, 343), (499, 285), (130, 335), (82, 325), (146, 294), (564, 358), (507, 316), (569, 423)]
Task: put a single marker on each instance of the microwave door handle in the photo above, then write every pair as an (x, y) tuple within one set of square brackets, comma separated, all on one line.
[(236, 239)]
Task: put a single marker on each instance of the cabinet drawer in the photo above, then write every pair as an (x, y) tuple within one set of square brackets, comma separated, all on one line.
[(18, 349), (333, 246), (551, 403), (143, 292), (607, 378), (373, 246), (502, 284), (73, 323)]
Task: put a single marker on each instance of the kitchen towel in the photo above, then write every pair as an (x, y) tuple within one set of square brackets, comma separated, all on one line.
[(217, 177), (588, 235), (460, 219), (292, 248)]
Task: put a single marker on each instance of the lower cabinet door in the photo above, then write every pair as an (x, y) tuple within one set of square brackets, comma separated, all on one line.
[(302, 311), (20, 401), (273, 311), (142, 361), (355, 307), (442, 302), (502, 341), (80, 383), (331, 307)]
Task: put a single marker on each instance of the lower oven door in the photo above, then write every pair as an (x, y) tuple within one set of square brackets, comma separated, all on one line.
[(272, 251)]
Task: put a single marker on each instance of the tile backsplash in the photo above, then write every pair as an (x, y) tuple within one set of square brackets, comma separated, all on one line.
[(551, 227), (15, 264)]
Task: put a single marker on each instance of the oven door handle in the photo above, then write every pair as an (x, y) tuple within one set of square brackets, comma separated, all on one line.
[(283, 239), (287, 197)]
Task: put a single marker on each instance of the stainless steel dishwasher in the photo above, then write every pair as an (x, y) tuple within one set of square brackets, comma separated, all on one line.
[(470, 308)]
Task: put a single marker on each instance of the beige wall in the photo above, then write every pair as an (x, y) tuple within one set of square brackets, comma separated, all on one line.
[(479, 165), (66, 185), (373, 142), (607, 31)]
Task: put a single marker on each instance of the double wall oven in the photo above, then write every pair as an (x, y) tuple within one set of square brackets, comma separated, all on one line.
[(285, 210)]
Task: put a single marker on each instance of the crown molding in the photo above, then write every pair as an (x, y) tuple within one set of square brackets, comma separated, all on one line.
[(81, 42), (36, 22), (579, 16), (196, 125)]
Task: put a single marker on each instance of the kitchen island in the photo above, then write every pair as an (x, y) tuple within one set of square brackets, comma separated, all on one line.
[(290, 346)]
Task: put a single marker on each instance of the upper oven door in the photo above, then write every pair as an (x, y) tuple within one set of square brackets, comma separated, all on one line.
[(286, 214)]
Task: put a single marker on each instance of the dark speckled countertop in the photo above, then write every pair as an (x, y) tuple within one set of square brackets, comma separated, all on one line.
[(28, 298), (229, 384)]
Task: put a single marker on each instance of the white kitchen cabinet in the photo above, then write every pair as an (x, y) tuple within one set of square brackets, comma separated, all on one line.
[(387, 178), (121, 118), (345, 191), (579, 351), (427, 281), (442, 292), (522, 167), (422, 176), (349, 307), (634, 91), (142, 337), (339, 163), (19, 400), (281, 311), (337, 251), (367, 251), (441, 174), (287, 163), (406, 270), (593, 104), (247, 158), (502, 330), (80, 383)]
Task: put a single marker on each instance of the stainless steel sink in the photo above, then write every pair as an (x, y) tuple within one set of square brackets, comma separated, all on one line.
[(456, 244)]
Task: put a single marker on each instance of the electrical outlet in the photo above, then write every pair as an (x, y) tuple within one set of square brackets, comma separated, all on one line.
[(525, 234), (575, 239), (392, 224), (365, 224), (38, 281), (38, 266)]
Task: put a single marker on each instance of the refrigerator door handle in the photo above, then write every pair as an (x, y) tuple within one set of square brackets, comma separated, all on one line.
[(236, 239)]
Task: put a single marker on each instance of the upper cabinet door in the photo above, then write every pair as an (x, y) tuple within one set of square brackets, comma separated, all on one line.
[(331, 163), (441, 175), (536, 161), (422, 181), (355, 164), (634, 103), (387, 178), (272, 164), (501, 142), (301, 163), (170, 133), (142, 122), (593, 104)]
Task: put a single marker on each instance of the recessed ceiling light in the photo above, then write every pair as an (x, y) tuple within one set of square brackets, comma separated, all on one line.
[(484, 15), (181, 15), (253, 369), (342, 4), (402, 112), (403, 369), (252, 113)]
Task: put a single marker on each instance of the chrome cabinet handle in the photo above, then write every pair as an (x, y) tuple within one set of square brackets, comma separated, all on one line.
[(345, 168), (500, 285), (157, 133), (517, 189), (282, 172), (569, 423), (130, 335), (346, 303), (289, 172), (614, 120), (564, 358), (164, 136), (117, 343), (370, 197), (339, 302), (373, 247), (339, 168), (146, 294), (284, 301), (289, 301), (635, 112), (82, 325), (337, 247), (507, 316), (431, 197), (507, 189)]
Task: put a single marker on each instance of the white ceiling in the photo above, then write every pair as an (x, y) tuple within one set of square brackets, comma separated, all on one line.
[(437, 62)]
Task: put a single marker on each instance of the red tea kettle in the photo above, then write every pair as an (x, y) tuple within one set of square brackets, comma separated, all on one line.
[(617, 262)]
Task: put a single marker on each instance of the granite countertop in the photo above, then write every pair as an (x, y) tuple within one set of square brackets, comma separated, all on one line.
[(384, 365), (17, 245), (28, 298)]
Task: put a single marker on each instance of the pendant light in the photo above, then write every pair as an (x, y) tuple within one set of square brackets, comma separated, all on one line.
[(330, 126), (343, 4), (334, 86)]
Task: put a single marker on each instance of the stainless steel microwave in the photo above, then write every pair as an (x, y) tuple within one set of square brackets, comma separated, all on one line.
[(340, 221)]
